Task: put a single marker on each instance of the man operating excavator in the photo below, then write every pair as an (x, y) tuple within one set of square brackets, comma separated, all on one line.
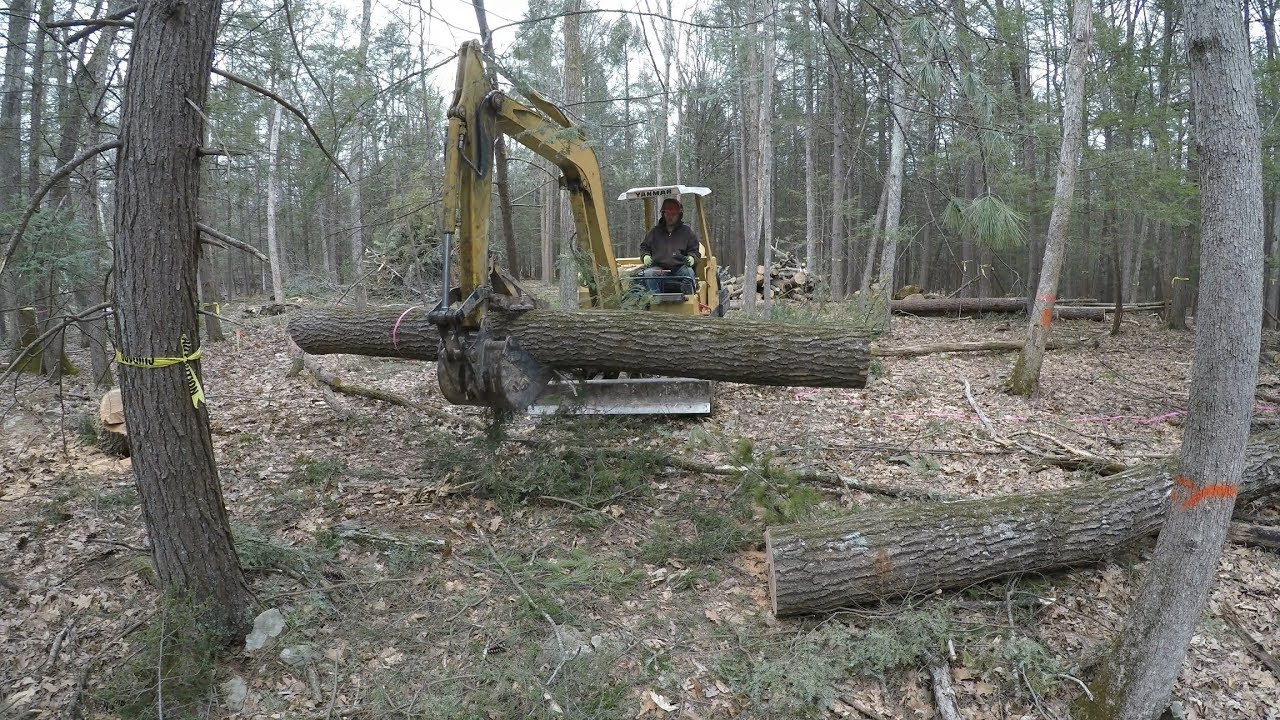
[(670, 251)]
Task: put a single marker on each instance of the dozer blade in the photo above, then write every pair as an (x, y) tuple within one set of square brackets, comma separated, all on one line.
[(626, 396)]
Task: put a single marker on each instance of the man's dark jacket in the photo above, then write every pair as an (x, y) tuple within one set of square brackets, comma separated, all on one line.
[(670, 247)]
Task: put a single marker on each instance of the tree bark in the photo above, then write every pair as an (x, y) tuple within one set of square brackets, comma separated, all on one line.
[(156, 253), (745, 351), (1136, 679), (921, 547), (971, 306), (1025, 378)]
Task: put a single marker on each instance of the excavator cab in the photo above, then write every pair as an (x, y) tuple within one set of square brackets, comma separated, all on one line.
[(704, 295)]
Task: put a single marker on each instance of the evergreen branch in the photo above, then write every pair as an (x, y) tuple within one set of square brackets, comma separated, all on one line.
[(34, 205)]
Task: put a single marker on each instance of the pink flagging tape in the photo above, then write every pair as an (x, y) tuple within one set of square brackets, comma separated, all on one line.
[(395, 330)]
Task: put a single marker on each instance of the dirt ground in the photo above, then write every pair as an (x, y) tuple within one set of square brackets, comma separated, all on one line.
[(427, 566)]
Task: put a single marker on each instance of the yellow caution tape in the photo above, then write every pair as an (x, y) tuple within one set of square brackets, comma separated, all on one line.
[(193, 382)]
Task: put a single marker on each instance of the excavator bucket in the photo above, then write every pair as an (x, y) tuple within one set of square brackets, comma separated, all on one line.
[(626, 396)]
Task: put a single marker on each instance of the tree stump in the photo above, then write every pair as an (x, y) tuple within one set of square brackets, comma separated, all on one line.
[(113, 437)]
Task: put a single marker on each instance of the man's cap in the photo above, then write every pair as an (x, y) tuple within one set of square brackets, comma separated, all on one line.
[(674, 201)]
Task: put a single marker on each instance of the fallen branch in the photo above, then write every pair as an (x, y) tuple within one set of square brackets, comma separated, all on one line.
[(331, 380), (817, 477), (944, 694), (1250, 642)]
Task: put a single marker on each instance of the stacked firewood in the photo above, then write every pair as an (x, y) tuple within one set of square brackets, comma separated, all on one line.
[(786, 274)]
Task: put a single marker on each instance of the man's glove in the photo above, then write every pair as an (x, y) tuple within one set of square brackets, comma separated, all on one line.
[(648, 260), (691, 260)]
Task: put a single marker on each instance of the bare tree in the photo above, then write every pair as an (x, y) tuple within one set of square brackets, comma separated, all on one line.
[(1025, 378), (573, 91), (156, 254), (500, 180), (273, 195), (1137, 677), (359, 234), (897, 160), (11, 135), (838, 170)]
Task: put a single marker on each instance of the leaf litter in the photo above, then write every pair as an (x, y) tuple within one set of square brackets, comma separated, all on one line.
[(423, 570)]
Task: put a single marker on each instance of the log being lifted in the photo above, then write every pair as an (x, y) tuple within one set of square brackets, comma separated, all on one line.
[(744, 351), (922, 547), (974, 306)]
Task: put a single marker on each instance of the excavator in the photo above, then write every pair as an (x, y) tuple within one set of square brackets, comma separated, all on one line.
[(476, 365)]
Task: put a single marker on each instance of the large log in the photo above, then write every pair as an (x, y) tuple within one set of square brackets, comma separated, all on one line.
[(744, 351), (974, 306), (366, 332), (922, 547)]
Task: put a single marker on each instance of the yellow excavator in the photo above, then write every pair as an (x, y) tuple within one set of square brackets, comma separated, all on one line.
[(478, 367)]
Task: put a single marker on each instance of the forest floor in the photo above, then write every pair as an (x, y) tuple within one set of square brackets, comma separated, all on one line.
[(426, 567)]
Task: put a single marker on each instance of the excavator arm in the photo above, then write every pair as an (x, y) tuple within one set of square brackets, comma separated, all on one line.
[(478, 113), (474, 367)]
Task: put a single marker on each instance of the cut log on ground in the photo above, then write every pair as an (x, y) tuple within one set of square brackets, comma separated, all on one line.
[(975, 306), (401, 332), (744, 351), (1250, 535), (958, 347), (919, 548)]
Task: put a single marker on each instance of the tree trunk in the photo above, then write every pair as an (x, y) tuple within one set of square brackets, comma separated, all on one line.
[(744, 351), (360, 233), (897, 159), (839, 244), (11, 190), (810, 166), (273, 193), (922, 547), (1136, 679), (573, 93), (1025, 378), (972, 306), (156, 253)]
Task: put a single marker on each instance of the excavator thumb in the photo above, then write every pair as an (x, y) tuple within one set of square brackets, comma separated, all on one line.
[(489, 372)]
